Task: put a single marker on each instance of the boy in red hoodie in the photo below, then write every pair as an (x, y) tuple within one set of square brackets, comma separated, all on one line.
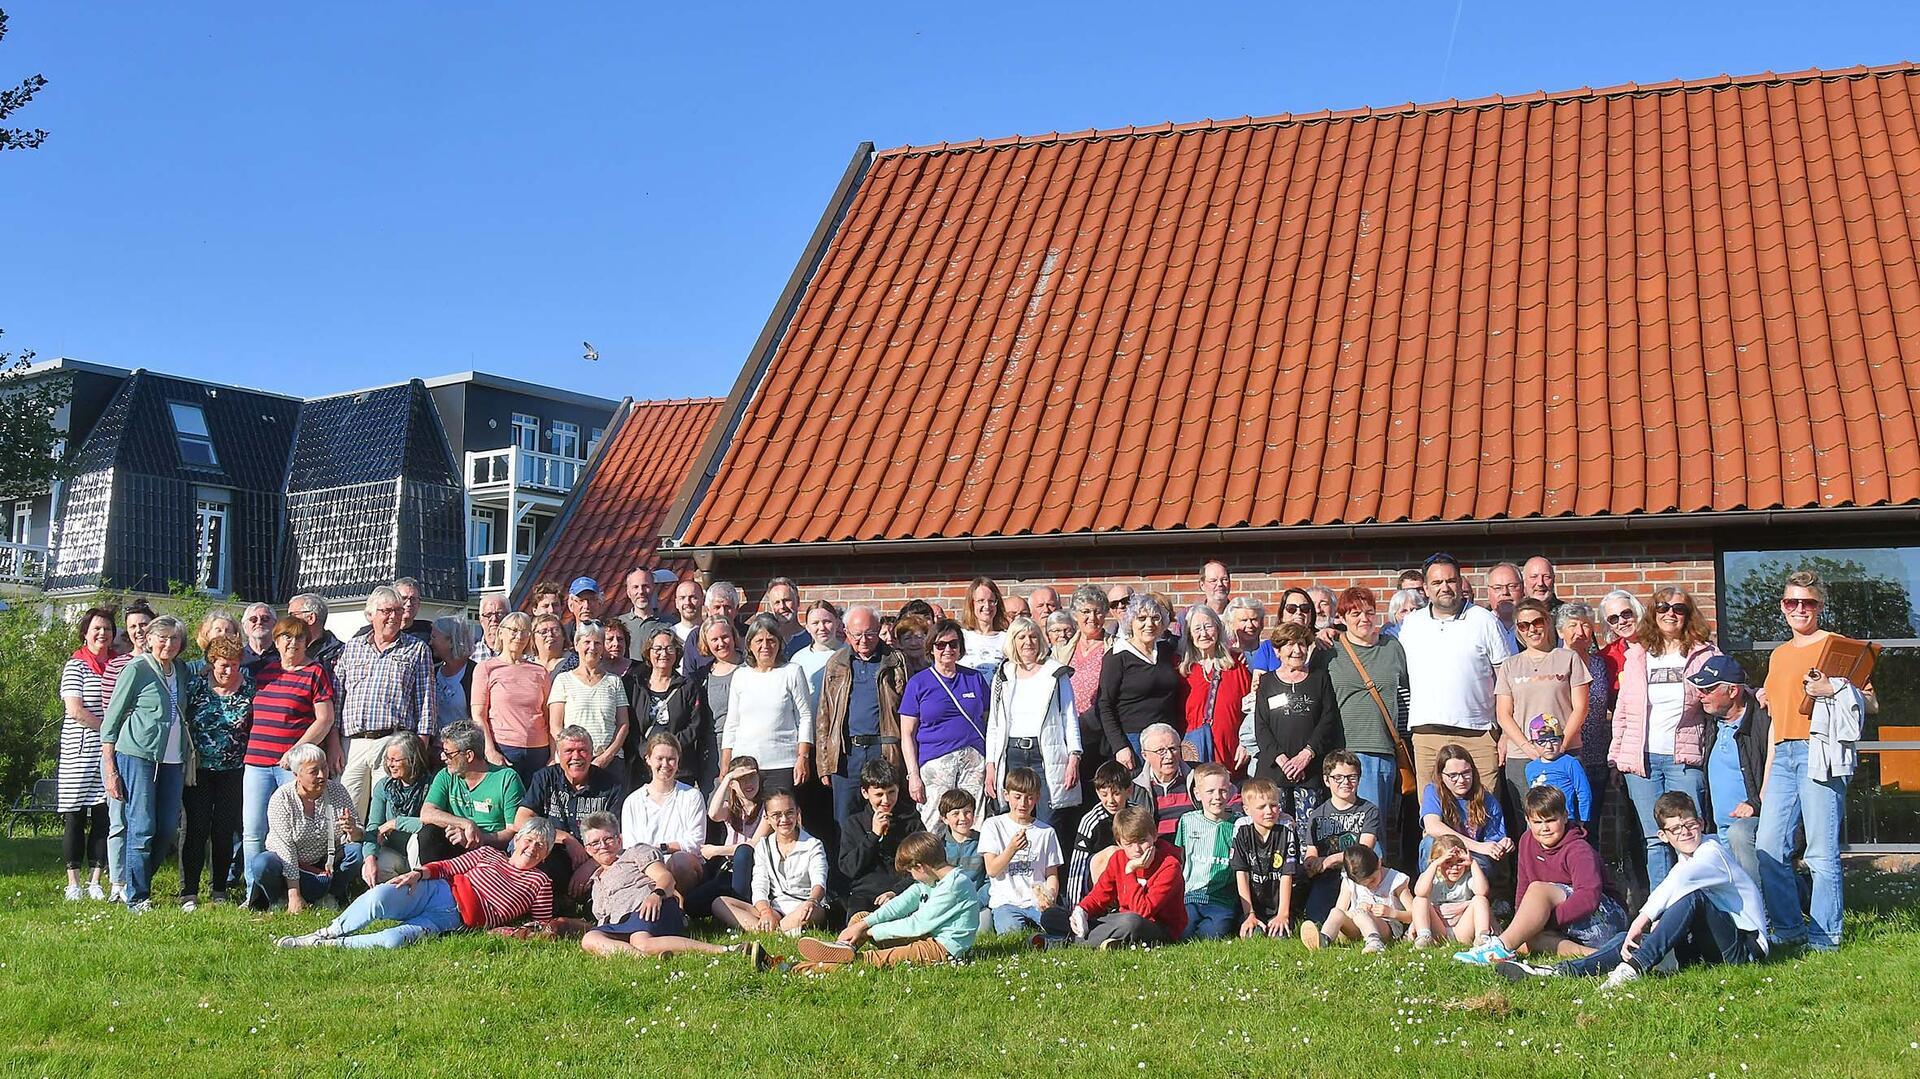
[(1566, 904), (1140, 898)]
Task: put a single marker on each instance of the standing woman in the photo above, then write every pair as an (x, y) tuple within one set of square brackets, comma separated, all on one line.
[(452, 645), (143, 754), (587, 696), (619, 659), (1085, 653), (663, 703), (219, 716), (1032, 723), (1140, 683), (983, 622), (1622, 613), (1295, 721), (293, 704), (83, 798), (1217, 681), (719, 643), (825, 636), (910, 637), (1574, 622), (1659, 728), (1369, 677), (943, 725), (510, 702), (1060, 630), (769, 715), (549, 642)]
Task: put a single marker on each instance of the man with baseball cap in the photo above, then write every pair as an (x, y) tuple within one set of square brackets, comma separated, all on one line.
[(1736, 754)]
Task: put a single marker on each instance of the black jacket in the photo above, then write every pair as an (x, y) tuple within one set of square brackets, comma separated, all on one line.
[(866, 861), (1754, 736), (1135, 694), (676, 717)]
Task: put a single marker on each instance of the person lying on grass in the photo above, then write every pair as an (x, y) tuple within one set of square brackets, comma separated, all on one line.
[(481, 889), (789, 877), (1372, 905), (636, 901), (1706, 910), (1140, 898), (1450, 898), (933, 921), (1566, 904), (1264, 860)]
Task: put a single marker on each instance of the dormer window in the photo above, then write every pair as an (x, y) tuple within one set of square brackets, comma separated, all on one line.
[(190, 432)]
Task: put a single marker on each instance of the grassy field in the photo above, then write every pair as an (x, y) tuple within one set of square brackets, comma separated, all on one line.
[(86, 988)]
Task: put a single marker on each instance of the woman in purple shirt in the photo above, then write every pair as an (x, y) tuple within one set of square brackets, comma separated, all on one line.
[(943, 725)]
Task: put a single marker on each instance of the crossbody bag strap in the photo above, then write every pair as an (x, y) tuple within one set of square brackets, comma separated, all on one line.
[(1393, 729), (958, 707)]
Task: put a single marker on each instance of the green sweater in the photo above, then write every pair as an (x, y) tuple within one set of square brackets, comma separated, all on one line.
[(1386, 663), (949, 912), (140, 712)]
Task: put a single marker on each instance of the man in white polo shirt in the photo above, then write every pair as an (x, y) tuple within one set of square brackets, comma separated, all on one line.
[(1452, 650)]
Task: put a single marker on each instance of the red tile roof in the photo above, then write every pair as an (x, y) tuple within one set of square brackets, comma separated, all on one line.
[(1683, 297), (612, 523)]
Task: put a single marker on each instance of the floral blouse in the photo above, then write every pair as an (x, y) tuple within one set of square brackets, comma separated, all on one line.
[(219, 725)]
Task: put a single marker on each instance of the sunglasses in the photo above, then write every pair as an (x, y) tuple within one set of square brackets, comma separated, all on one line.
[(1800, 604), (1298, 608), (1680, 609), (1531, 624), (1116, 604), (943, 645), (1620, 617)]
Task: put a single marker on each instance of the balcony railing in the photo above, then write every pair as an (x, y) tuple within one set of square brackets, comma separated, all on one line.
[(23, 563), (513, 467), (488, 573)]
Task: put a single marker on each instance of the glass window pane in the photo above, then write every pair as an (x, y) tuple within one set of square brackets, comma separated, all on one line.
[(188, 419), (1871, 593)]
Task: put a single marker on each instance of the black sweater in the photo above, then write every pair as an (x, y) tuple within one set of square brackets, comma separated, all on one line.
[(866, 860), (1135, 694), (1288, 717)]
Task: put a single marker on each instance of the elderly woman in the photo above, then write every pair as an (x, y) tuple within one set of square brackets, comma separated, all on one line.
[(910, 637), (667, 814), (712, 690), (619, 660), (1246, 620), (663, 703), (1659, 727), (769, 711), (83, 799), (1217, 680), (550, 642), (219, 711), (452, 644), (293, 704), (510, 701), (1296, 720), (943, 725), (1140, 683), (983, 622), (213, 625), (1621, 612), (471, 802), (313, 838), (481, 889), (1032, 722), (1404, 602), (143, 753), (1575, 624), (589, 697), (393, 818), (637, 905), (1085, 653)]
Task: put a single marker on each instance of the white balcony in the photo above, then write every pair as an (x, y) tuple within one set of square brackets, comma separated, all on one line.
[(23, 563), (488, 573), (500, 471)]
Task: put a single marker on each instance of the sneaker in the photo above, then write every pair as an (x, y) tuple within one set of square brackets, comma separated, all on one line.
[(756, 955), (116, 896), (189, 904), (318, 937), (96, 893), (1039, 942), (73, 893), (1111, 944), (1374, 946), (1622, 974), (1310, 936), (217, 898), (141, 907), (1514, 970), (1486, 954), (815, 950), (1423, 940)]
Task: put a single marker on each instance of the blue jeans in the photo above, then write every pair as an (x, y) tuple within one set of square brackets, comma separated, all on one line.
[(527, 761), (1027, 758), (1741, 836), (117, 844), (1380, 784), (1792, 800), (1012, 919), (1663, 775), (846, 782), (269, 875), (424, 910), (152, 815), (1208, 921), (1693, 931), (256, 789)]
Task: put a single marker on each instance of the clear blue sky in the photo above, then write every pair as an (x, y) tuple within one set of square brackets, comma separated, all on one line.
[(311, 198)]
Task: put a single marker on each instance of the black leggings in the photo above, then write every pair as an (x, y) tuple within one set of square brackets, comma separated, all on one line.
[(213, 812), (77, 839)]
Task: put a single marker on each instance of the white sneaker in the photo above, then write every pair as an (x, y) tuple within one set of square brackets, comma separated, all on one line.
[(95, 892), (141, 907), (189, 905), (73, 893), (314, 939), (1423, 939), (1375, 946), (116, 896), (1622, 974)]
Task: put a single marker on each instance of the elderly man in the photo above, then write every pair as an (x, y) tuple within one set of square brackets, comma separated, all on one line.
[(1041, 603), (641, 621), (723, 601), (1453, 650), (412, 625), (583, 603), (1162, 784), (386, 686), (1540, 578), (782, 601), (1216, 585), (313, 838), (858, 718), (322, 646), (492, 609), (472, 802), (1503, 591), (566, 792), (1118, 596), (256, 636)]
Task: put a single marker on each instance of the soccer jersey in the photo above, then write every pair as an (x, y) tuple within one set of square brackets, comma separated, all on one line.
[(1265, 860), (1205, 846)]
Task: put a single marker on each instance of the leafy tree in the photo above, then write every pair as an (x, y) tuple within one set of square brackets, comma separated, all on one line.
[(28, 436), (14, 99), (1860, 603)]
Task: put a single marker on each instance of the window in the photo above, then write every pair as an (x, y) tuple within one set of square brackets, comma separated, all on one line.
[(210, 533), (598, 436), (480, 534), (566, 439), (190, 431), (22, 522), (526, 431)]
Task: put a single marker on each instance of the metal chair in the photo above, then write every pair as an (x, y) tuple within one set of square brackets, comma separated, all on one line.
[(42, 801)]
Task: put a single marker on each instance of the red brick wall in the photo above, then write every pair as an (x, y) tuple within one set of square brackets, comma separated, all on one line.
[(1587, 568)]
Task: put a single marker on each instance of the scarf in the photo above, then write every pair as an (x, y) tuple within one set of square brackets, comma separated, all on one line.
[(97, 664)]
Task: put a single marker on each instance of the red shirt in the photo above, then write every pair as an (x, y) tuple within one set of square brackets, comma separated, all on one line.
[(1615, 656), (491, 891), (283, 703), (1160, 895)]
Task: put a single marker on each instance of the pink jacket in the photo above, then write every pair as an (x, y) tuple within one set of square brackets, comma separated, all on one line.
[(1628, 751)]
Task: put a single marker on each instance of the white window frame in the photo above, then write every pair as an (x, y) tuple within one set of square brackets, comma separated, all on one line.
[(566, 439), (183, 437), (526, 431), (212, 569), (598, 436), (481, 522), (22, 530)]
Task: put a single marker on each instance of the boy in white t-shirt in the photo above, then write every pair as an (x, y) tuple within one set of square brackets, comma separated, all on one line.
[(1023, 862)]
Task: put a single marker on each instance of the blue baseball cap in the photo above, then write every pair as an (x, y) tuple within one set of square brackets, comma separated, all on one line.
[(1718, 671), (583, 584)]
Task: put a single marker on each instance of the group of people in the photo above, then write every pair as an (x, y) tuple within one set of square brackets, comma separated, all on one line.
[(913, 778)]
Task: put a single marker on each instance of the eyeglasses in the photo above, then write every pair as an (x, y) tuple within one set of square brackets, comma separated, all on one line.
[(491, 616), (389, 610), (1801, 604), (1680, 609), (1456, 775), (1163, 751), (1345, 779), (1683, 827), (1619, 617), (944, 644), (602, 843)]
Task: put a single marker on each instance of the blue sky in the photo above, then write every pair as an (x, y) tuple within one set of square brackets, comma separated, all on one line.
[(311, 198)]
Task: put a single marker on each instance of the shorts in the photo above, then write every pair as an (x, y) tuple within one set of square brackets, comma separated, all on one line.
[(1450, 912), (670, 922), (1607, 921)]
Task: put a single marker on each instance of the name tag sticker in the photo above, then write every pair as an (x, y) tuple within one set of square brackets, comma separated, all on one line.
[(1278, 700), (483, 805)]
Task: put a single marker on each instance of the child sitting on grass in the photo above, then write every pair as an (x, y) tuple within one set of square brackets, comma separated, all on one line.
[(1372, 905), (1205, 839), (933, 921), (1450, 898), (789, 877), (1566, 905), (1552, 769), (1093, 839), (872, 837), (1140, 898), (957, 810), (1022, 859), (1264, 860)]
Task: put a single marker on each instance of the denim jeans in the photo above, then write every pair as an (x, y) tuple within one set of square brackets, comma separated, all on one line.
[(1053, 921), (1208, 921), (152, 815), (1663, 774), (1693, 931), (1793, 799), (1380, 784), (255, 791), (117, 844), (1028, 758), (527, 761), (846, 783), (1741, 836), (269, 875), (424, 910)]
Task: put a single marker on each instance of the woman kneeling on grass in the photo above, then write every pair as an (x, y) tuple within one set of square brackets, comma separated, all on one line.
[(481, 889), (931, 922), (636, 902)]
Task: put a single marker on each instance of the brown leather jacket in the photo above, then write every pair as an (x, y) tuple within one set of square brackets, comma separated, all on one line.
[(836, 688)]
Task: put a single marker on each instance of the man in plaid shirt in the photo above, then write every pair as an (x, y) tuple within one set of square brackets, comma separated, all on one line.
[(385, 682)]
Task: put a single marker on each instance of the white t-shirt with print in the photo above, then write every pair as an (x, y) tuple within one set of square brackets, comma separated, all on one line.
[(1666, 697), (1014, 888)]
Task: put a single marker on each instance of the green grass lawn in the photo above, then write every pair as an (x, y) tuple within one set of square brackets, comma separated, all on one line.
[(86, 988)]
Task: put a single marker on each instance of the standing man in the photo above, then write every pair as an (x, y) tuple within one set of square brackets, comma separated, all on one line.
[(688, 600), (546, 599), (385, 681), (1118, 597), (782, 601), (723, 600), (1216, 586), (322, 645), (492, 609), (1452, 651), (256, 636), (858, 719), (420, 629), (583, 603), (640, 620), (1041, 603), (1540, 579), (1503, 591)]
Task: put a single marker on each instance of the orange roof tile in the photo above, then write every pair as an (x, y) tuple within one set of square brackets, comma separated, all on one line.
[(1696, 296), (612, 521)]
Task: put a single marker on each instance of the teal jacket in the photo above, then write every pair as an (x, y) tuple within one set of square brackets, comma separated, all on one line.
[(139, 714), (949, 912)]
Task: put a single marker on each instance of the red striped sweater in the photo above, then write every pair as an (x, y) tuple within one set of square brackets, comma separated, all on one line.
[(491, 891)]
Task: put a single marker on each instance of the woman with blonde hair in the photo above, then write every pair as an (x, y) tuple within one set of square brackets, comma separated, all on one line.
[(1031, 722), (1659, 726)]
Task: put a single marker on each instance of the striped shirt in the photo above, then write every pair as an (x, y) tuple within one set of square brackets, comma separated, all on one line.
[(490, 890), (80, 784), (595, 707), (283, 703), (386, 691), (307, 839)]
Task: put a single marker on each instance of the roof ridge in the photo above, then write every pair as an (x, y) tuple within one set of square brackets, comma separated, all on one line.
[(679, 401), (1366, 112)]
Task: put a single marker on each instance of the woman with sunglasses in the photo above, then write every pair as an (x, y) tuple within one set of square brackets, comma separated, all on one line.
[(943, 724), (1620, 615), (1659, 728)]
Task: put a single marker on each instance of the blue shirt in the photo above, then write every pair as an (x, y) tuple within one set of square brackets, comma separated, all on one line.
[(1726, 786), (1565, 773), (863, 696), (1495, 829)]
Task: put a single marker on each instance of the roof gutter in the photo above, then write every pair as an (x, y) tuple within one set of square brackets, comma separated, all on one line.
[(523, 584), (1530, 526)]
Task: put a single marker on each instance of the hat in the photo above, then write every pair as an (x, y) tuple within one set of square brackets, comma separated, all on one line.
[(583, 584), (1720, 670), (1544, 728)]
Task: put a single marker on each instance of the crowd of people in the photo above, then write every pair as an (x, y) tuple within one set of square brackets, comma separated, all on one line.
[(1094, 766)]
